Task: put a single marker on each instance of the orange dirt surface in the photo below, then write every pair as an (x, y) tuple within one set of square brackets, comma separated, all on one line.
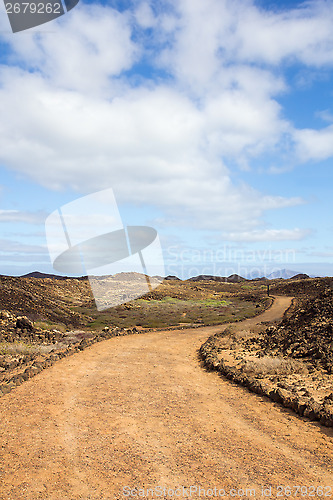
[(140, 412)]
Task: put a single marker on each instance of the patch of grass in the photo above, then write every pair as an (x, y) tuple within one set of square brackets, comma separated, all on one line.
[(216, 302), (48, 325), (170, 311)]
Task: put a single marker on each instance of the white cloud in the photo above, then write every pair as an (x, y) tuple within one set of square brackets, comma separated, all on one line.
[(83, 51), (304, 34), (219, 205), (11, 246), (150, 146), (213, 34), (241, 123), (269, 235), (321, 254), (314, 144), (77, 120), (193, 57), (325, 115), (26, 217), (145, 16)]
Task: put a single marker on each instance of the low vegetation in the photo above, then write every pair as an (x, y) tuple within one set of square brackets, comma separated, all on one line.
[(271, 365), (171, 311)]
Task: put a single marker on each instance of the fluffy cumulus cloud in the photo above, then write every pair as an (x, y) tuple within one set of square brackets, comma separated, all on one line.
[(80, 53), (303, 34), (159, 101), (314, 144), (215, 34)]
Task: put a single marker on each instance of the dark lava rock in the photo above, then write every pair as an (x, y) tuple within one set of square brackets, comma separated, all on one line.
[(305, 333), (24, 323)]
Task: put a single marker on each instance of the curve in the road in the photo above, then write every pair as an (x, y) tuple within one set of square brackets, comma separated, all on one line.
[(139, 412)]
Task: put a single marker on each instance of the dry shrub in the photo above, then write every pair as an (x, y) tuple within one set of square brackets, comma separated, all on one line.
[(273, 365), (23, 348)]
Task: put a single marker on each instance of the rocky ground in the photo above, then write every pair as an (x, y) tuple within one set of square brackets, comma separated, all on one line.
[(301, 288), (68, 304), (291, 362), (25, 349), (139, 411), (305, 333), (42, 320), (46, 299)]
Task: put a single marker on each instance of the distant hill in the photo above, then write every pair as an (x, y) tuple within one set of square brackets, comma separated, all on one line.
[(37, 274), (235, 278), (207, 277), (46, 299), (301, 276), (282, 274)]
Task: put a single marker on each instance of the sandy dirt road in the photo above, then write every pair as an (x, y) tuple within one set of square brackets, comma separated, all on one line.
[(140, 412)]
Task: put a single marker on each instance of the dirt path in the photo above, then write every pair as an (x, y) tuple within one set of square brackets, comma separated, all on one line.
[(139, 411)]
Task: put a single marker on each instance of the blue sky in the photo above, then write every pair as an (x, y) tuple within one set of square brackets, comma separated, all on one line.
[(211, 120)]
